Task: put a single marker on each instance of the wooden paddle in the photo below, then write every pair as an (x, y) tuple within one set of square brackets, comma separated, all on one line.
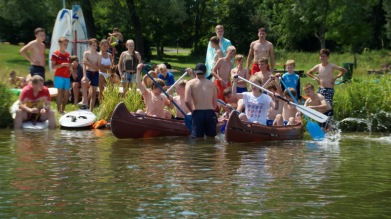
[(176, 82), (188, 119), (313, 128), (318, 116)]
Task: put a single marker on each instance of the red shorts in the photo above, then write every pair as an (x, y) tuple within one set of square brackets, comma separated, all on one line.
[(220, 89), (256, 68)]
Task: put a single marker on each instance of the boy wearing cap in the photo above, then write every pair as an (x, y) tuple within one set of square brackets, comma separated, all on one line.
[(201, 99)]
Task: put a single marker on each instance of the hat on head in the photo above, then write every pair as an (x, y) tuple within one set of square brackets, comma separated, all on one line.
[(200, 68)]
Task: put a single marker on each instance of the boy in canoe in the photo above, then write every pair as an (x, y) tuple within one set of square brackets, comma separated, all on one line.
[(290, 115), (154, 99), (34, 104), (263, 74), (180, 99), (318, 102), (256, 102)]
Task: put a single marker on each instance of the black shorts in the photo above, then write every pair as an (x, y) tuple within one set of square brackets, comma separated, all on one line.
[(204, 123), (37, 70)]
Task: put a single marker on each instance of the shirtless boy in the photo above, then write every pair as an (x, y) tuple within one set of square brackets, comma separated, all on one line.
[(36, 50), (325, 76), (263, 73), (154, 99), (115, 38), (180, 99), (16, 81), (201, 99), (222, 72), (288, 116), (260, 48), (318, 102), (242, 72), (90, 73), (215, 43)]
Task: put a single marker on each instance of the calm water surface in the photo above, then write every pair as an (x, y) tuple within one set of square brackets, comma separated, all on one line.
[(91, 174)]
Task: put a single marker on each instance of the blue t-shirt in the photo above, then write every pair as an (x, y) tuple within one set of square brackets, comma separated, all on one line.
[(168, 80), (293, 81)]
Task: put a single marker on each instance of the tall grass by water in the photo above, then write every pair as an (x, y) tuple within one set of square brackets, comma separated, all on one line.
[(363, 97), (112, 96)]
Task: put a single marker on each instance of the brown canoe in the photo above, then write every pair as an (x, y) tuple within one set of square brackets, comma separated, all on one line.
[(125, 124), (238, 131)]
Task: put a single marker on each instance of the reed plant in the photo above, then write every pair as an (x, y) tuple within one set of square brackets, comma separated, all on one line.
[(7, 98), (112, 96)]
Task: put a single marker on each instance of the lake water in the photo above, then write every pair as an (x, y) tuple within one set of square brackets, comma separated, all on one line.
[(91, 174)]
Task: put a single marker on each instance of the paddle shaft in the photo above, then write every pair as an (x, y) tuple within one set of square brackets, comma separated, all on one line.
[(290, 94), (172, 101), (320, 117), (176, 82), (224, 104)]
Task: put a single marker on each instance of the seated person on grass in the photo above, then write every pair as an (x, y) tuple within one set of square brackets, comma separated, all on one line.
[(34, 104), (154, 99), (16, 81)]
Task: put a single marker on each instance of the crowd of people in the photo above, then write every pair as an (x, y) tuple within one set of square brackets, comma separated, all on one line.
[(223, 77)]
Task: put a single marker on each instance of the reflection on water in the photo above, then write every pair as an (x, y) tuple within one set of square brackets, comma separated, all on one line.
[(92, 174)]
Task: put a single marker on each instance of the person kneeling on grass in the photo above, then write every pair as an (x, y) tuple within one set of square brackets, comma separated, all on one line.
[(34, 104), (154, 99)]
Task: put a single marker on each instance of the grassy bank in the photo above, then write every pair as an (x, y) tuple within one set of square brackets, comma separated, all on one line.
[(367, 94)]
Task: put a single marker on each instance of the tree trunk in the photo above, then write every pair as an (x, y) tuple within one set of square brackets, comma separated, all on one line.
[(139, 41), (89, 19)]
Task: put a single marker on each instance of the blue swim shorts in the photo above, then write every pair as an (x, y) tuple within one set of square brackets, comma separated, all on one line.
[(62, 83)]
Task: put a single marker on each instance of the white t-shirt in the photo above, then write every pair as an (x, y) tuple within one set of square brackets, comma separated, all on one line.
[(256, 107)]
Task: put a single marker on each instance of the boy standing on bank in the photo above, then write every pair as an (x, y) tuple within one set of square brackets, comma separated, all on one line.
[(36, 48), (90, 73), (222, 72), (325, 76)]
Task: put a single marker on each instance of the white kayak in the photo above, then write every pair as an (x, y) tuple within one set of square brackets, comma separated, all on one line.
[(77, 119)]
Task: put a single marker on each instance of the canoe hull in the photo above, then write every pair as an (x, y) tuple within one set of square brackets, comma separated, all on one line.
[(238, 131), (125, 124)]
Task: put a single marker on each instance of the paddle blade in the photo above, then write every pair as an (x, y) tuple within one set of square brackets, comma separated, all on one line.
[(315, 131), (313, 114), (222, 129), (188, 122)]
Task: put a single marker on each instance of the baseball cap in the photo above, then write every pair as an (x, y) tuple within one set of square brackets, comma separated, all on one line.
[(200, 68)]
